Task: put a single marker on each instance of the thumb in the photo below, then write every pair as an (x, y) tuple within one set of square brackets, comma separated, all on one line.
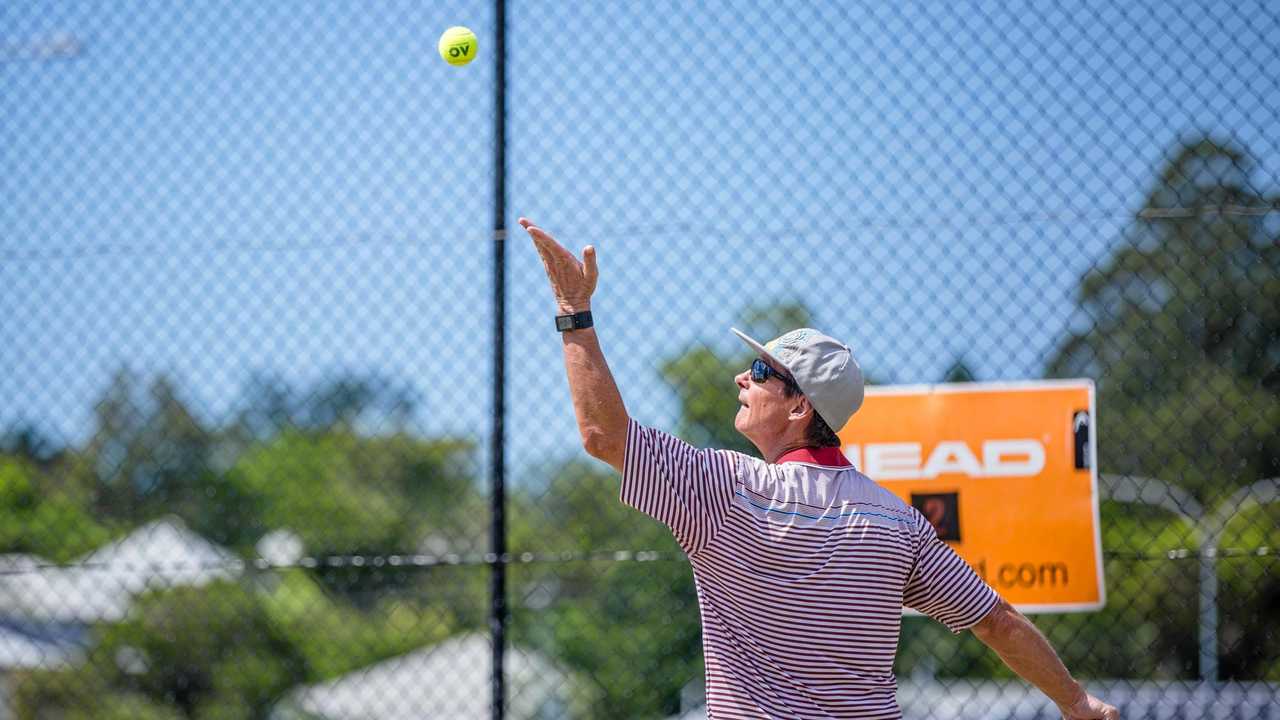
[(590, 270)]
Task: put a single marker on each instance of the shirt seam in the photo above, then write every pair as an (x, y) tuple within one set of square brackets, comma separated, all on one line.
[(816, 465)]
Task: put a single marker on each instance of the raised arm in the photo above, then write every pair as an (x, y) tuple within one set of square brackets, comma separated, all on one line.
[(602, 418), (1021, 646)]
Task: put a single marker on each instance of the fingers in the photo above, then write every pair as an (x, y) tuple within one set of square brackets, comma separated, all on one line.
[(540, 237), (551, 249), (539, 242), (546, 244), (590, 271)]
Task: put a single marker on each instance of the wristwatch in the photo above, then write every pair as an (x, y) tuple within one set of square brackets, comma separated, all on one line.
[(576, 321)]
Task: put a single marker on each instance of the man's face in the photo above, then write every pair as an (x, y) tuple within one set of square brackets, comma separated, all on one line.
[(764, 410)]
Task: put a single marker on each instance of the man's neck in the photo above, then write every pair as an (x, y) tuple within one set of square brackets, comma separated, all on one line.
[(815, 455), (782, 449)]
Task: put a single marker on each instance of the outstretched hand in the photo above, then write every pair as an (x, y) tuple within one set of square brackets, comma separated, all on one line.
[(572, 282), (1089, 708)]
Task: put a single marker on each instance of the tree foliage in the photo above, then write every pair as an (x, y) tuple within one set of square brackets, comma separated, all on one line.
[(208, 652), (37, 518), (334, 465), (1183, 333)]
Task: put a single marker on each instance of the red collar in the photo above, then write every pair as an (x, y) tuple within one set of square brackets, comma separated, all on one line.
[(827, 456)]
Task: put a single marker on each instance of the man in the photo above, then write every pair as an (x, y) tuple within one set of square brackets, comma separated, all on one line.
[(802, 564)]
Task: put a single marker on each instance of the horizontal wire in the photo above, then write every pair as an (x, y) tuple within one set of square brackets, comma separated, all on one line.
[(408, 560), (76, 252), (418, 560), (1205, 210), (958, 220), (1190, 553)]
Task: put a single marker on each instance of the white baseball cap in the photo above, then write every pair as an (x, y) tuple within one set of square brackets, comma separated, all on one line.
[(822, 366)]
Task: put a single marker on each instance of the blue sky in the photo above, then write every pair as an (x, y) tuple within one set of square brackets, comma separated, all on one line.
[(212, 189)]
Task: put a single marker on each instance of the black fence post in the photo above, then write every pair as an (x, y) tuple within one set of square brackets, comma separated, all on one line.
[(498, 521)]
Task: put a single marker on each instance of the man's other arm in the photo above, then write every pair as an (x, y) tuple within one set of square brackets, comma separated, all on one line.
[(1026, 651)]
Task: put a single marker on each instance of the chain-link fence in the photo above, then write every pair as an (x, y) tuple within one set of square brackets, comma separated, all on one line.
[(247, 345)]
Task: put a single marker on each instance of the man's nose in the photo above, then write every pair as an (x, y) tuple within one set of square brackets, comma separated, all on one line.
[(741, 379)]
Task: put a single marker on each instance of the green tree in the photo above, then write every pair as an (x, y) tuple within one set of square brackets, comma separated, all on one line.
[(83, 694), (271, 405), (149, 454), (336, 638), (232, 649), (229, 650), (25, 440), (1249, 596), (1184, 336), (959, 372), (346, 494), (332, 464), (208, 652), (37, 517)]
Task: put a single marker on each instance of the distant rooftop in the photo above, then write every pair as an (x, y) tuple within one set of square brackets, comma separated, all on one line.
[(447, 680), (100, 586)]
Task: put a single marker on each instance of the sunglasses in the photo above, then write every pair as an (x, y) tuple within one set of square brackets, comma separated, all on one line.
[(761, 371)]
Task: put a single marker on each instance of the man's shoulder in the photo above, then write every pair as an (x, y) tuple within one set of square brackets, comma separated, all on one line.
[(663, 446)]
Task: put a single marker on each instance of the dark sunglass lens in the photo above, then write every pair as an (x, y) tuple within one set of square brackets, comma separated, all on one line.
[(759, 371)]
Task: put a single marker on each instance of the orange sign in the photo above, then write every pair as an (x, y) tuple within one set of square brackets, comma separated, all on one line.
[(1005, 473)]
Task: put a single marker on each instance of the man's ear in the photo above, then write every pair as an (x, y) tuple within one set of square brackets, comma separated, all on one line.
[(801, 408)]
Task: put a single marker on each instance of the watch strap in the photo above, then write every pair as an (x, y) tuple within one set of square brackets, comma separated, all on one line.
[(575, 321)]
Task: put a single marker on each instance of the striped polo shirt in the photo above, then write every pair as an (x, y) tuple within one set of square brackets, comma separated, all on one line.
[(802, 571)]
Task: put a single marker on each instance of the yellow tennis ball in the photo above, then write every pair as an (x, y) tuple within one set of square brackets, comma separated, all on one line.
[(458, 45)]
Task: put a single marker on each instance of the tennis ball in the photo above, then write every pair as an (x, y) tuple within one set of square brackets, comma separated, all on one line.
[(457, 45)]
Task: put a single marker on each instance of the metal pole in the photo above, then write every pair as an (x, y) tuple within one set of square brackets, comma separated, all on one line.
[(1209, 612), (497, 499), (1261, 492)]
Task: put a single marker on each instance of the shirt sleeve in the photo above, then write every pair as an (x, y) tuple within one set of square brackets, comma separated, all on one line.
[(943, 586), (686, 488)]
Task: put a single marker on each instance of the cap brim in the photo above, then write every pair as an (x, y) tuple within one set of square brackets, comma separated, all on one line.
[(758, 348)]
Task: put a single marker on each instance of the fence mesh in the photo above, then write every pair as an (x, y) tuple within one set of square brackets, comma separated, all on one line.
[(246, 347)]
